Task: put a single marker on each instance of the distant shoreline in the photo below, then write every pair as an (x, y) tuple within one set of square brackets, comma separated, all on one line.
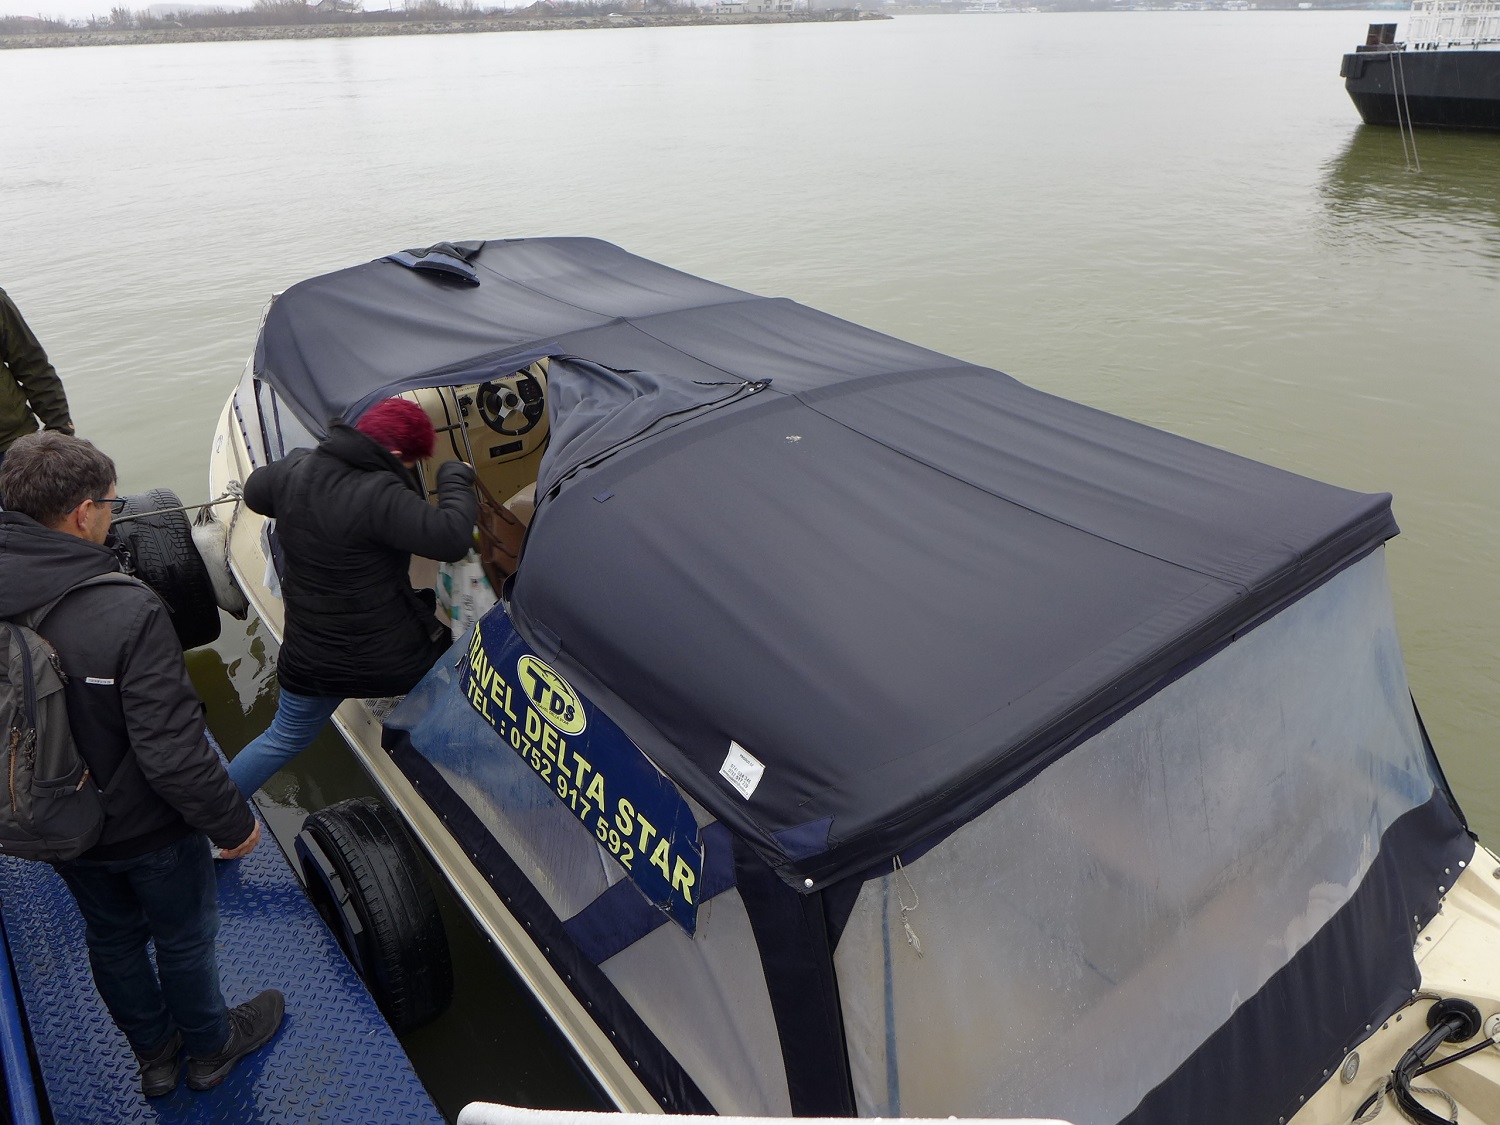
[(115, 37)]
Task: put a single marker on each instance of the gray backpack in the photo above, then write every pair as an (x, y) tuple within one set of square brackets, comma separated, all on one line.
[(50, 806)]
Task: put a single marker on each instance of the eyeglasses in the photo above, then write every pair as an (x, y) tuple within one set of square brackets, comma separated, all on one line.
[(116, 504)]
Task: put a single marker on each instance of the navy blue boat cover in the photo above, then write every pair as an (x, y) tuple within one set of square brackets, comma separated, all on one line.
[(901, 582)]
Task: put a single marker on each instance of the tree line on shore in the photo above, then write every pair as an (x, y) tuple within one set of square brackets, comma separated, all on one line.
[(285, 13)]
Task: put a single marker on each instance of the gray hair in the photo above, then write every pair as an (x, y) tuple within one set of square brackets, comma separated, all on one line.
[(47, 475)]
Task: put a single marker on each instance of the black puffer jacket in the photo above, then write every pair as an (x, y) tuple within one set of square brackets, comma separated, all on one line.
[(349, 517), (135, 717)]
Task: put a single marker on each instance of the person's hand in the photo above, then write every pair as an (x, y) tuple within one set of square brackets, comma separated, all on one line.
[(247, 847), (456, 468)]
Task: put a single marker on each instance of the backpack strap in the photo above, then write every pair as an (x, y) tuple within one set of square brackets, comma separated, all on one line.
[(28, 677), (32, 619)]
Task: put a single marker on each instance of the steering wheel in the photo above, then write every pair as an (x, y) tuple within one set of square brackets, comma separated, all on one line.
[(510, 408)]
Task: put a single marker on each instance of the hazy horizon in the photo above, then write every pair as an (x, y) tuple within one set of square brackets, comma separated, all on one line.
[(83, 9)]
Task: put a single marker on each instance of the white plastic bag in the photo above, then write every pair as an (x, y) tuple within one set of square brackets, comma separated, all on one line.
[(464, 594)]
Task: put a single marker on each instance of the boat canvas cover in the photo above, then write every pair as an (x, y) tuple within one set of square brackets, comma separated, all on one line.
[(845, 591)]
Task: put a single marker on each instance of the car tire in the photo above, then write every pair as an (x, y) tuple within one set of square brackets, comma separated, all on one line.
[(162, 551), (364, 877)]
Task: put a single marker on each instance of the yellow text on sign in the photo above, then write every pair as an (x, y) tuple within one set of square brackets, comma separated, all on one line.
[(536, 734)]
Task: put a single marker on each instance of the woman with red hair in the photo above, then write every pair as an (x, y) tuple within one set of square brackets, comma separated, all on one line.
[(349, 516), (401, 426)]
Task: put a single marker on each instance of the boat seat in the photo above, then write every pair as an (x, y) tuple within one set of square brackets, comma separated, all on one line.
[(501, 531), (523, 504)]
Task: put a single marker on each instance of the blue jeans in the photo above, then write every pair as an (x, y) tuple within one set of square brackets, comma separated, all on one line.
[(168, 896), (299, 719)]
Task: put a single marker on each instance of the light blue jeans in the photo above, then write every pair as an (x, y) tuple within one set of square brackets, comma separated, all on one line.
[(299, 719)]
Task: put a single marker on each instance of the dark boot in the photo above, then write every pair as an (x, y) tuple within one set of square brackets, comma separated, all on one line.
[(161, 1068), (251, 1025)]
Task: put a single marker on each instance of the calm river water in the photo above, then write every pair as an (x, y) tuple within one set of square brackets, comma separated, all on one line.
[(1174, 216)]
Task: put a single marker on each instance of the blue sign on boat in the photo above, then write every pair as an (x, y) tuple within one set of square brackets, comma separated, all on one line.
[(589, 764)]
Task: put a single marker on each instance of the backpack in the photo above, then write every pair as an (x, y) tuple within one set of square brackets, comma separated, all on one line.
[(50, 806)]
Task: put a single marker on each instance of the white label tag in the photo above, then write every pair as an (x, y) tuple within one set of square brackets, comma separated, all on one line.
[(97, 680), (742, 770)]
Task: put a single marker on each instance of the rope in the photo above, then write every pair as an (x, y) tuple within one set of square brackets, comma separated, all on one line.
[(911, 935), (1373, 1104), (1376, 1102), (229, 497), (1396, 98), (1403, 100)]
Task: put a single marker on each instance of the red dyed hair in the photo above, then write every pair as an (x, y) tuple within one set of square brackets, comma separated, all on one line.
[(399, 424)]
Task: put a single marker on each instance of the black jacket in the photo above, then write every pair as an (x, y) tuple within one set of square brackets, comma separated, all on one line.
[(349, 517), (135, 717)]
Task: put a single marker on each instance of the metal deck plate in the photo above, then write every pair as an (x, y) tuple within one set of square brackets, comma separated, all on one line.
[(335, 1059)]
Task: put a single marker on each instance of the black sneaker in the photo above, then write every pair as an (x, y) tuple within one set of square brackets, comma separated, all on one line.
[(161, 1068), (251, 1025)]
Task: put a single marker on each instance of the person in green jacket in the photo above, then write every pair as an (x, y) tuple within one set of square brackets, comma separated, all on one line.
[(30, 390)]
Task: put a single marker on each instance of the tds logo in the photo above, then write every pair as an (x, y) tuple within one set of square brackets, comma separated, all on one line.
[(551, 695)]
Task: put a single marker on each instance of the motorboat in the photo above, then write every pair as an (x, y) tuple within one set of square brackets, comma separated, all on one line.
[(858, 731)]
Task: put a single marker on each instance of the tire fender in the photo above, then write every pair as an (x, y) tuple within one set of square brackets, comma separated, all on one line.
[(160, 548), (364, 877)]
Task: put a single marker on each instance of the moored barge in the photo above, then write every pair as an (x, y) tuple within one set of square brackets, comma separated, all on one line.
[(1446, 74)]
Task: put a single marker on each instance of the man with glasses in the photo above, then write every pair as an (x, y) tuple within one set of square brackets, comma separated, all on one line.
[(138, 725)]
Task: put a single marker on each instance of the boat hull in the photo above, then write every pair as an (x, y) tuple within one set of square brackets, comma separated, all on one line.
[(1446, 89)]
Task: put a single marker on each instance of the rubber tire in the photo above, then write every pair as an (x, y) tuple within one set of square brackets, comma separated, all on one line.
[(401, 949), (161, 549)]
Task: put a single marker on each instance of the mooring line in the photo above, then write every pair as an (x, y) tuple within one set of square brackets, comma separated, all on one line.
[(1403, 101)]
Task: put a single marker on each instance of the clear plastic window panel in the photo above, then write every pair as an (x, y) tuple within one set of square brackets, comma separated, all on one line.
[(1083, 937), (284, 432), (536, 829), (705, 998)]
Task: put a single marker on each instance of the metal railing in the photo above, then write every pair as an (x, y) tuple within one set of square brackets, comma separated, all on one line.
[(1453, 23)]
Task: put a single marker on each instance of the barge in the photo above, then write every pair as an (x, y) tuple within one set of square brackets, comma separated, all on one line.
[(859, 731), (1446, 74)]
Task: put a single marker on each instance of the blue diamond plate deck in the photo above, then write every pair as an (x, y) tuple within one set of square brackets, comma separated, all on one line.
[(335, 1059)]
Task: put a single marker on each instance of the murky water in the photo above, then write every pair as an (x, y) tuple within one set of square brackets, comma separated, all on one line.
[(1173, 216)]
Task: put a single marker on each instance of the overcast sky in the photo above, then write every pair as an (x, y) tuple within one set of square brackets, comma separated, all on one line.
[(82, 9)]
